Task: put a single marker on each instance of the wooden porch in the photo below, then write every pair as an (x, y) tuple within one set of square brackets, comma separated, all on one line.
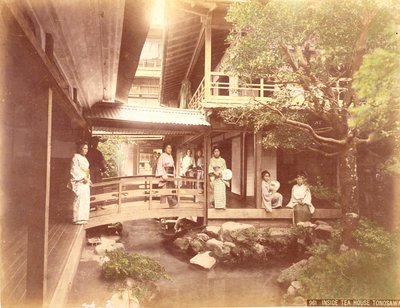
[(137, 197), (64, 249)]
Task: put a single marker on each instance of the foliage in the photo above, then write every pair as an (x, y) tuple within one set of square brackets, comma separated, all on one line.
[(377, 84), (311, 51), (110, 147), (322, 192), (370, 271), (124, 265)]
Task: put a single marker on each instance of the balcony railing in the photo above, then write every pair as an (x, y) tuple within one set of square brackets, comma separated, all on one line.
[(224, 90)]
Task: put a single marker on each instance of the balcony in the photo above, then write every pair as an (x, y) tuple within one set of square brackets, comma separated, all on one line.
[(228, 91)]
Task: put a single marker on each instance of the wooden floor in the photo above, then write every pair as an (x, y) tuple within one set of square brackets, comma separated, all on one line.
[(62, 236)]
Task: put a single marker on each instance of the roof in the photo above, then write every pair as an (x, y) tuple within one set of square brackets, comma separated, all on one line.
[(184, 44), (128, 119)]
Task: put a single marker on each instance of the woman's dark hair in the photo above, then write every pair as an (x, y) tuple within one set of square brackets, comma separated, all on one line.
[(165, 146), (216, 147), (80, 144), (264, 172)]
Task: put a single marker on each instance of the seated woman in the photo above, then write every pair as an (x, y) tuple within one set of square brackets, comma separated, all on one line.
[(269, 189), (300, 201)]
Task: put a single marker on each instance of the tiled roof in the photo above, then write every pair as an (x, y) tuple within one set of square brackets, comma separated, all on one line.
[(143, 114)]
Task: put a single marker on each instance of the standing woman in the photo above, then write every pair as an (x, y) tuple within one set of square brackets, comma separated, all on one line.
[(165, 170), (80, 185), (215, 168)]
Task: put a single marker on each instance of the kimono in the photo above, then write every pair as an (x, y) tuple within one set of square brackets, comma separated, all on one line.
[(79, 171), (217, 183), (300, 201), (166, 166), (187, 161), (270, 199)]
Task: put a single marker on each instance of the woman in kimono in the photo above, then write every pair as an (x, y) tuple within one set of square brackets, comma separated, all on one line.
[(80, 185), (166, 170), (300, 201), (271, 199), (215, 168)]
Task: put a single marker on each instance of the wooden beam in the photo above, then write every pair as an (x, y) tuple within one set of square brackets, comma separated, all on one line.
[(38, 211), (284, 213), (207, 156), (243, 166), (207, 57), (257, 168), (195, 56)]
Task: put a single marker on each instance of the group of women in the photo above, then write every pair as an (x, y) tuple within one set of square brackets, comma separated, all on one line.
[(80, 184)]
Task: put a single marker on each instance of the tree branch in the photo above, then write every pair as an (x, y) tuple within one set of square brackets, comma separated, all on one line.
[(305, 127), (323, 152)]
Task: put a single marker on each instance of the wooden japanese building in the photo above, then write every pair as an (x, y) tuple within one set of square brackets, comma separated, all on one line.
[(67, 69)]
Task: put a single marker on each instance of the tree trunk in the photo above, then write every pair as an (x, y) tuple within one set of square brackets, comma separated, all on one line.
[(350, 194), (349, 179)]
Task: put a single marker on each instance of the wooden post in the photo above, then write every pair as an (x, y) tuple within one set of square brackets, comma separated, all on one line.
[(151, 193), (38, 211), (257, 169), (207, 155), (262, 87), (243, 167), (119, 195), (207, 58)]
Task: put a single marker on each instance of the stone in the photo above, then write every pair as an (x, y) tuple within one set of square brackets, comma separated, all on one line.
[(296, 284), (197, 245), (212, 243), (323, 232), (204, 260), (291, 291), (124, 299), (321, 222), (306, 224), (292, 273), (276, 231), (202, 236), (258, 248), (213, 231), (230, 244), (299, 301), (343, 248), (103, 248), (182, 243), (218, 248), (233, 231)]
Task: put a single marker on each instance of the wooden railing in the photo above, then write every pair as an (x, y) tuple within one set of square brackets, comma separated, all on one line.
[(223, 89), (143, 192), (198, 97)]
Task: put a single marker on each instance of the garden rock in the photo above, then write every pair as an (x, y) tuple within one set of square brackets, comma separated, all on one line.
[(296, 284), (182, 243), (197, 245), (204, 260), (291, 291), (306, 224), (233, 231), (292, 273), (259, 249), (203, 237), (103, 248), (323, 232), (321, 222), (124, 299), (213, 231), (219, 248)]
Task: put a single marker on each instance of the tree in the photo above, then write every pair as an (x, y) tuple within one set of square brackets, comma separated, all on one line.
[(313, 48)]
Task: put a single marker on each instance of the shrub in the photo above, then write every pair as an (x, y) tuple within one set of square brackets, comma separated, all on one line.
[(370, 271), (124, 265)]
